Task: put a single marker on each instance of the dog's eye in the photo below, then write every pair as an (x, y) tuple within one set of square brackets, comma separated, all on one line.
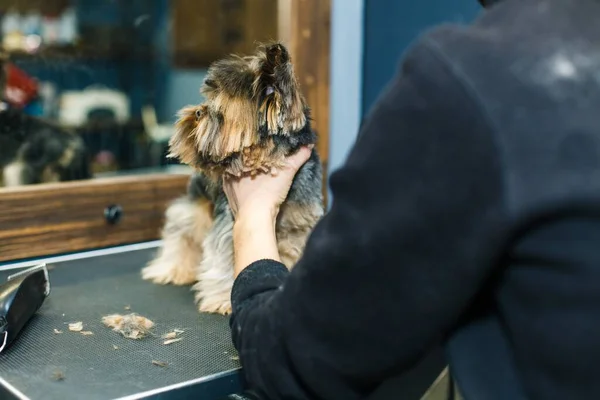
[(198, 114), (269, 90)]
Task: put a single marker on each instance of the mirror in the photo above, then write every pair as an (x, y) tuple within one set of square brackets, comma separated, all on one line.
[(91, 88)]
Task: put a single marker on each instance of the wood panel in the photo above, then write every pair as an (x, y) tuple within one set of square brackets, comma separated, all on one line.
[(42, 220), (207, 30), (304, 26), (260, 24), (194, 24), (46, 7)]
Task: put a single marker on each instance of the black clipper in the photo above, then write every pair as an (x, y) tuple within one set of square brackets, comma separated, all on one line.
[(20, 298)]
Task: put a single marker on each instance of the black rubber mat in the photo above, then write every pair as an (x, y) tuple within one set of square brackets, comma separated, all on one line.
[(106, 365)]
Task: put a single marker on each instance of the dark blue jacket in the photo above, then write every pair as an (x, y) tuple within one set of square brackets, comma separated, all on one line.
[(468, 212)]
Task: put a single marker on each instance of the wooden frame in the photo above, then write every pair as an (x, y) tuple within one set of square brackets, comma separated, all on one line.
[(206, 30), (305, 26), (51, 219)]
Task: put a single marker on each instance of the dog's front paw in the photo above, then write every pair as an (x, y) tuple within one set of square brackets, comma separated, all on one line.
[(223, 308), (215, 302), (163, 273)]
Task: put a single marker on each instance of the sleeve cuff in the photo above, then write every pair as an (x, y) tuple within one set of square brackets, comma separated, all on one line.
[(259, 277)]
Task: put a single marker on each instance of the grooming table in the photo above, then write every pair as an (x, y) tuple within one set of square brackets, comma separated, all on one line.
[(43, 364)]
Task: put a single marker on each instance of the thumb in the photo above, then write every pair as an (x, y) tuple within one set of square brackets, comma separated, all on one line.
[(295, 161)]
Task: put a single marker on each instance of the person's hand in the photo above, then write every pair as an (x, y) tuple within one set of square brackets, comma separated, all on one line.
[(263, 194), (255, 201)]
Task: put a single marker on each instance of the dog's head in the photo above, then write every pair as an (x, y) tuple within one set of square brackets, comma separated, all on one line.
[(254, 113)]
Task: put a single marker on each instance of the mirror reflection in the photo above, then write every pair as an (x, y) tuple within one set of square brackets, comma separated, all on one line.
[(91, 88)]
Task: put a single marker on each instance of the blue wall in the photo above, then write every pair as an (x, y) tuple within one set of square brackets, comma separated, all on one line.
[(368, 38), (346, 77), (391, 25), (345, 99)]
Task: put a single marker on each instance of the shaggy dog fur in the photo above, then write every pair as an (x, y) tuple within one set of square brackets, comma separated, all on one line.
[(253, 117)]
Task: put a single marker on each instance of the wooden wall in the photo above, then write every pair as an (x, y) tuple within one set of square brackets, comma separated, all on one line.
[(207, 30), (49, 219), (304, 25), (47, 7)]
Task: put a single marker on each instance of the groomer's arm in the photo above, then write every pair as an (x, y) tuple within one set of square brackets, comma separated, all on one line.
[(387, 272)]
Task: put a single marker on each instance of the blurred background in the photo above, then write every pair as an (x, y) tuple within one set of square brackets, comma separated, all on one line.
[(113, 73), (117, 71)]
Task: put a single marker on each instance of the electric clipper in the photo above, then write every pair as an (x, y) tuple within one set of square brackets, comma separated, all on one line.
[(20, 298)]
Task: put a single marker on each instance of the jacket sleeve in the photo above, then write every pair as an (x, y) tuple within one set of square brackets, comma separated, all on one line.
[(388, 270)]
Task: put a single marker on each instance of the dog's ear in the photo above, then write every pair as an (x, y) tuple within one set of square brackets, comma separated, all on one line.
[(276, 57), (281, 109), (183, 143), (276, 72)]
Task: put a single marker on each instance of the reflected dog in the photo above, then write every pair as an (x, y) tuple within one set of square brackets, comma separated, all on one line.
[(253, 117), (34, 150)]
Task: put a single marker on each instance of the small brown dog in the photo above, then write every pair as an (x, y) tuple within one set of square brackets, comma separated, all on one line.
[(253, 117)]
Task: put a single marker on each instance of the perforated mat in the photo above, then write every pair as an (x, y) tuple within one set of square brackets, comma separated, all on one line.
[(43, 364)]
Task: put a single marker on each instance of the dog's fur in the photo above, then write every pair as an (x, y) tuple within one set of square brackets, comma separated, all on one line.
[(254, 115), (33, 150), (37, 151)]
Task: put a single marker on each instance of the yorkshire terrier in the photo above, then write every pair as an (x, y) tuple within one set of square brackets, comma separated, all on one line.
[(253, 117), (34, 150)]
